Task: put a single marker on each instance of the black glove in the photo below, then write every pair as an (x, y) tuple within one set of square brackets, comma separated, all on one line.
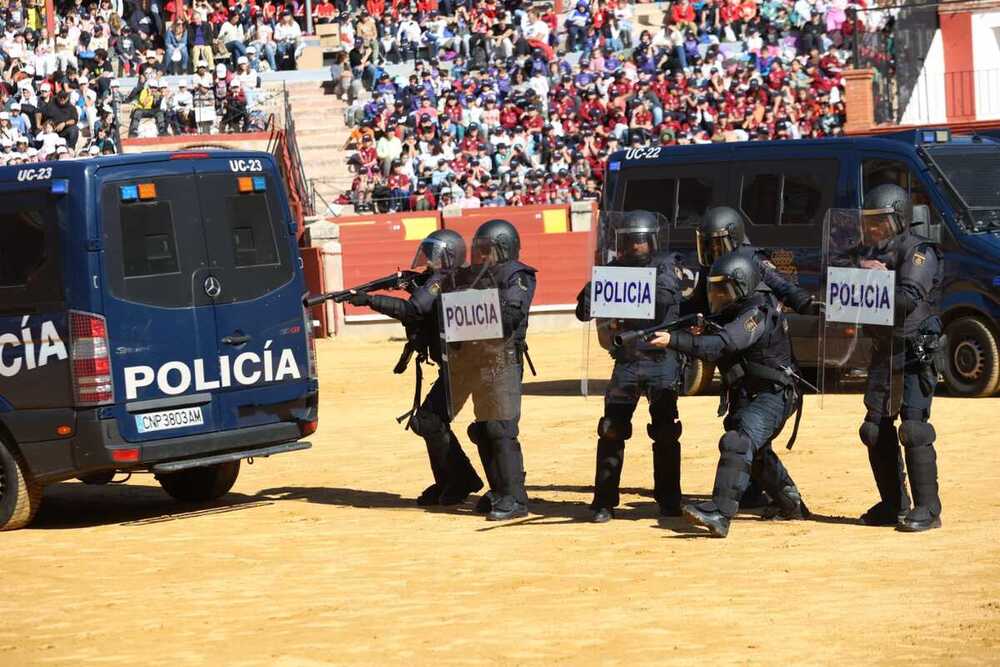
[(812, 307), (360, 299), (583, 304)]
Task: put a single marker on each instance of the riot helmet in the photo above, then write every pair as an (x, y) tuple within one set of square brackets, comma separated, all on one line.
[(731, 280), (886, 213), (720, 232), (442, 249), (495, 242), (636, 237)]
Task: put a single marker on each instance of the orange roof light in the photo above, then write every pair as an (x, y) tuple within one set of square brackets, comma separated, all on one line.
[(244, 184), (147, 191)]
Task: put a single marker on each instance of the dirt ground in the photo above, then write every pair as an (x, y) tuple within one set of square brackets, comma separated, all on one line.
[(322, 557)]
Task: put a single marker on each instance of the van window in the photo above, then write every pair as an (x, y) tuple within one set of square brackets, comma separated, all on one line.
[(797, 194), (693, 199), (655, 194), (251, 230), (29, 242), (877, 172), (149, 245)]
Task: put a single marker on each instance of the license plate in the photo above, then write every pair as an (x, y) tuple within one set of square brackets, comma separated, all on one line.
[(168, 419)]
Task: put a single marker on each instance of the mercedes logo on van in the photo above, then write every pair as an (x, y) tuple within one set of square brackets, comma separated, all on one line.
[(213, 287)]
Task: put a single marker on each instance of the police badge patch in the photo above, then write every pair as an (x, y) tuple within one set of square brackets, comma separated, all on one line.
[(434, 288), (521, 283), (919, 258), (768, 264), (750, 324)]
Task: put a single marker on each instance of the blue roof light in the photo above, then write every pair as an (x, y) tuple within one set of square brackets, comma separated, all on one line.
[(129, 192), (259, 183)]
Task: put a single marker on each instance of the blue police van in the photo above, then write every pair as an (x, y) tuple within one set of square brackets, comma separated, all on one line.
[(151, 319), (784, 188)]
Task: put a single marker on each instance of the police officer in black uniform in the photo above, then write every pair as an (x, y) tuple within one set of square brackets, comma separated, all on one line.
[(441, 252), (496, 248), (753, 351), (720, 232), (640, 370), (888, 243)]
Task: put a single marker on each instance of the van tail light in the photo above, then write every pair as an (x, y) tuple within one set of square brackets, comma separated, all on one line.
[(90, 355), (311, 340)]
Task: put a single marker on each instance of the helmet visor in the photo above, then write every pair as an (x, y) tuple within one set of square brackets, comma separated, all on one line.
[(713, 247), (433, 254), (878, 225), (485, 252), (636, 244), (722, 293)]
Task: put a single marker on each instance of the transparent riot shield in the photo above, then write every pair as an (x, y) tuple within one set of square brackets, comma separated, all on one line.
[(481, 367), (622, 287), (857, 333)]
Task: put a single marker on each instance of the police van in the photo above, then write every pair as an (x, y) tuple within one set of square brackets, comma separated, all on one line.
[(151, 319), (784, 188)]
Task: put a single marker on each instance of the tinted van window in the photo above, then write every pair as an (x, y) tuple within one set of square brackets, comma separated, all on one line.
[(29, 243), (252, 232), (657, 195), (149, 245), (795, 194)]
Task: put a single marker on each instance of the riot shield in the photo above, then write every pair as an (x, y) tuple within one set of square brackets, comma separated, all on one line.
[(481, 367), (622, 286), (857, 332)]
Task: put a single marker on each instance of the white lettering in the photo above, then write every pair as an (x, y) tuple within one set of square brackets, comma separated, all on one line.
[(136, 377), (15, 367), (239, 366), (200, 383), (163, 378), (287, 366), (52, 345)]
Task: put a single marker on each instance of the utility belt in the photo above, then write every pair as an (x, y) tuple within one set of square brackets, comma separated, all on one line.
[(930, 350)]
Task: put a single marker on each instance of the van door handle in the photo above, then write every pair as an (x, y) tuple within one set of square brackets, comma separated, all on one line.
[(236, 339)]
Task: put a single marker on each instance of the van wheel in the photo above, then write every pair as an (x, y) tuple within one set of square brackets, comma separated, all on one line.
[(697, 377), (20, 495), (973, 365), (198, 485), (98, 478)]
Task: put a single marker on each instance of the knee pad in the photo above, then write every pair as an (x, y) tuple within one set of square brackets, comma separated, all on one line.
[(477, 432), (869, 433), (427, 424), (494, 430), (734, 443), (614, 429), (916, 433), (664, 431)]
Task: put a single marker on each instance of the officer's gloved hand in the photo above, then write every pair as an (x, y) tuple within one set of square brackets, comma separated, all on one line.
[(813, 307), (359, 299)]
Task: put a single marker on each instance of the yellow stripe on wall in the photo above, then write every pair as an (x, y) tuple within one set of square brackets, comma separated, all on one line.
[(555, 221), (418, 228)]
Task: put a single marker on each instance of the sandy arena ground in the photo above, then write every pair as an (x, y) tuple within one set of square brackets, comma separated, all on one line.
[(322, 557)]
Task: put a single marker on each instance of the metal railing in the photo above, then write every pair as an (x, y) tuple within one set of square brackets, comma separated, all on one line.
[(936, 97)]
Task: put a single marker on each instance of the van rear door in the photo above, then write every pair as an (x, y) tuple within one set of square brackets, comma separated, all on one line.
[(160, 319), (258, 310)]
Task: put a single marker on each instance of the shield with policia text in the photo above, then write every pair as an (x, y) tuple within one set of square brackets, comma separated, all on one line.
[(858, 333), (622, 287), (480, 365)]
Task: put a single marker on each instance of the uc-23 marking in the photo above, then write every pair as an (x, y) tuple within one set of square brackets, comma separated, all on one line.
[(246, 165), (39, 174)]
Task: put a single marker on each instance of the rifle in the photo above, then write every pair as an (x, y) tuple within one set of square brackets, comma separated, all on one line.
[(401, 279), (630, 337)]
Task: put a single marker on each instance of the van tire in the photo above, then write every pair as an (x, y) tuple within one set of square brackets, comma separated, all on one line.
[(20, 495), (972, 368), (198, 485), (698, 376)]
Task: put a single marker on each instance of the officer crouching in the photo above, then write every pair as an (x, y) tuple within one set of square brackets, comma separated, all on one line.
[(752, 350)]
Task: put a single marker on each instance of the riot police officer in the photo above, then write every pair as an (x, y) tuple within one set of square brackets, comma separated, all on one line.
[(888, 243), (496, 248), (720, 232), (753, 351), (454, 477), (640, 370)]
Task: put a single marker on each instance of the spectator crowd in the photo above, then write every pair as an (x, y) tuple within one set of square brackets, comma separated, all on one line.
[(59, 90), (509, 103)]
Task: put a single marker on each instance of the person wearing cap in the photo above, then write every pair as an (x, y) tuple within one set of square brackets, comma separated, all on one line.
[(7, 130), (148, 104), (235, 117), (64, 117), (181, 106)]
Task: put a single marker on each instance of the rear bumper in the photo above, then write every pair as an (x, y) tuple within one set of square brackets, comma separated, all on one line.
[(95, 442)]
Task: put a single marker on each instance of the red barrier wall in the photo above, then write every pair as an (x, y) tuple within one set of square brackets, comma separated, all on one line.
[(376, 245)]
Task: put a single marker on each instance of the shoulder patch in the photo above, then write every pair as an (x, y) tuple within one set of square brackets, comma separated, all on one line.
[(520, 283), (919, 258), (434, 288), (768, 264), (751, 323)]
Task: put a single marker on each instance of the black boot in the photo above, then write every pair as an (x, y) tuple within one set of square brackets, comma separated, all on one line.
[(603, 515), (918, 520), (431, 496), (881, 514), (667, 477), (708, 515), (787, 506), (507, 508), (455, 494), (485, 504)]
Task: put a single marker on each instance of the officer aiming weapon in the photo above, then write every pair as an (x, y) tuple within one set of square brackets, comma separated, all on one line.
[(401, 279), (629, 337)]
